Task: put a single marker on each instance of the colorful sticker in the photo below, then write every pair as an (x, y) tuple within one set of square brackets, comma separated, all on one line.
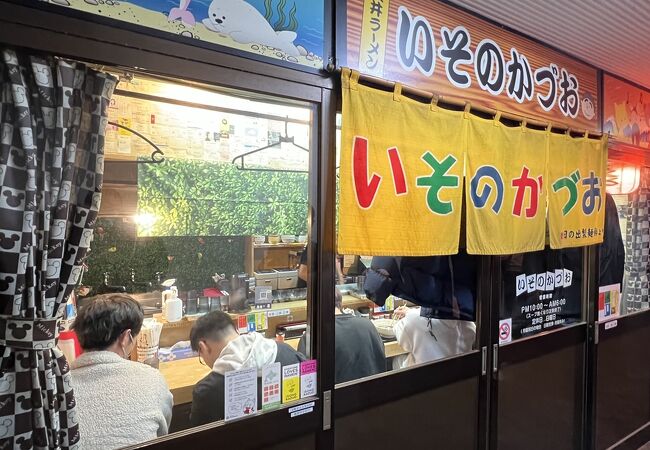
[(242, 324), (260, 321), (291, 383), (271, 395), (505, 331), (308, 378)]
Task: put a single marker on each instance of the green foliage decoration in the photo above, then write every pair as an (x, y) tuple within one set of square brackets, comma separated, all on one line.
[(201, 198), (192, 260)]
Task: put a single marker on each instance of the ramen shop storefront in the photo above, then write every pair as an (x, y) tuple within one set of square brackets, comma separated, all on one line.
[(470, 200), (430, 197)]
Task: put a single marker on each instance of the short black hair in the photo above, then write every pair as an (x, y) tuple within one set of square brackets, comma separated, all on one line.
[(101, 321), (215, 325)]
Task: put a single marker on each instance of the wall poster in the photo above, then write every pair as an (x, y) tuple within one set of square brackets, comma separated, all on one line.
[(626, 112), (441, 49), (287, 30)]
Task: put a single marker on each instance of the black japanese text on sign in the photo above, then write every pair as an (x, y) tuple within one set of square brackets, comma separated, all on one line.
[(438, 48)]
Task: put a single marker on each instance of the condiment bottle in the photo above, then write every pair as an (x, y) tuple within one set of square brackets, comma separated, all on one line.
[(173, 308)]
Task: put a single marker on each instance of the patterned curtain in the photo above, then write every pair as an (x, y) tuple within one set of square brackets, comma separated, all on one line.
[(637, 265), (53, 115)]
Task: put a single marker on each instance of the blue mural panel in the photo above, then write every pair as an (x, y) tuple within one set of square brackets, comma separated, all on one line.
[(287, 30)]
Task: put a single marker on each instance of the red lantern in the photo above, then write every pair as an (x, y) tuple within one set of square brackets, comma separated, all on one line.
[(622, 178)]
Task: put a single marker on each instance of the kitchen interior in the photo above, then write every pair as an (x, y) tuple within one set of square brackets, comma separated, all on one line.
[(204, 208)]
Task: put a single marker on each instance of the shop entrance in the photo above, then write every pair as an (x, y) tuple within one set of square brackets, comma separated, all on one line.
[(539, 351)]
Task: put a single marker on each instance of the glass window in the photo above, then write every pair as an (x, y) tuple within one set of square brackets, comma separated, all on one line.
[(210, 244), (542, 291), (624, 255), (397, 312)]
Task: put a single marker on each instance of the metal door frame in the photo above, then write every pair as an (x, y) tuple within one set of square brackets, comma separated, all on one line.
[(546, 342)]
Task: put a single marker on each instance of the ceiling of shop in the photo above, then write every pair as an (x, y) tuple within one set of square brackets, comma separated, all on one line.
[(613, 35)]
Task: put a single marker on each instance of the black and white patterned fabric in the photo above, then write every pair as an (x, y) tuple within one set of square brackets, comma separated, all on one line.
[(53, 115), (636, 290)]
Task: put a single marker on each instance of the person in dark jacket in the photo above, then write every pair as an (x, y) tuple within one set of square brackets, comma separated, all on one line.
[(358, 348), (612, 250), (216, 340), (446, 284)]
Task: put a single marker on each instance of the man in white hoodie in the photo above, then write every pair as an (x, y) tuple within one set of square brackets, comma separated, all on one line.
[(427, 338), (219, 345)]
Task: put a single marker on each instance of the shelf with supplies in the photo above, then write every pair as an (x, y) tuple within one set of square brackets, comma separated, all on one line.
[(294, 245), (266, 256)]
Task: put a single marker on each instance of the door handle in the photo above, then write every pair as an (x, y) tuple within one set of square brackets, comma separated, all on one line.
[(327, 410), (483, 361), (495, 358)]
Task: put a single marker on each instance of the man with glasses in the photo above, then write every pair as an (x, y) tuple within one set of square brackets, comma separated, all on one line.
[(221, 348)]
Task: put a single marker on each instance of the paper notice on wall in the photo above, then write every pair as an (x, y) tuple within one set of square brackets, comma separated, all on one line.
[(271, 395), (124, 144), (240, 393), (308, 378), (290, 383), (125, 122)]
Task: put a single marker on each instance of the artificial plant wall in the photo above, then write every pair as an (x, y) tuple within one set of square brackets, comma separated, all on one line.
[(190, 259), (201, 198)]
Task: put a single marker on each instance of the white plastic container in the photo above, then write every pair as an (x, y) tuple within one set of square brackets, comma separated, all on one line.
[(172, 306)]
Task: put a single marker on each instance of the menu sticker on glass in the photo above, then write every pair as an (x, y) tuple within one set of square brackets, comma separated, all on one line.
[(271, 395), (251, 322), (308, 378), (241, 393), (290, 383), (242, 324), (609, 301), (260, 321)]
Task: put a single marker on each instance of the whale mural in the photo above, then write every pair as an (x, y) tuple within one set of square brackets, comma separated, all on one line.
[(287, 30)]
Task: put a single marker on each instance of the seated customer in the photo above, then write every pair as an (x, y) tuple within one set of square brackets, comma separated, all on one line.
[(119, 402), (359, 350), (426, 338), (216, 340)]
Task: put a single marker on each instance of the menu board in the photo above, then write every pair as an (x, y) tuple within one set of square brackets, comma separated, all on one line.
[(541, 292)]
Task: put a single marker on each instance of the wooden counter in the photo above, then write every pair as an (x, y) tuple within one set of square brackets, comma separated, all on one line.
[(183, 374)]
